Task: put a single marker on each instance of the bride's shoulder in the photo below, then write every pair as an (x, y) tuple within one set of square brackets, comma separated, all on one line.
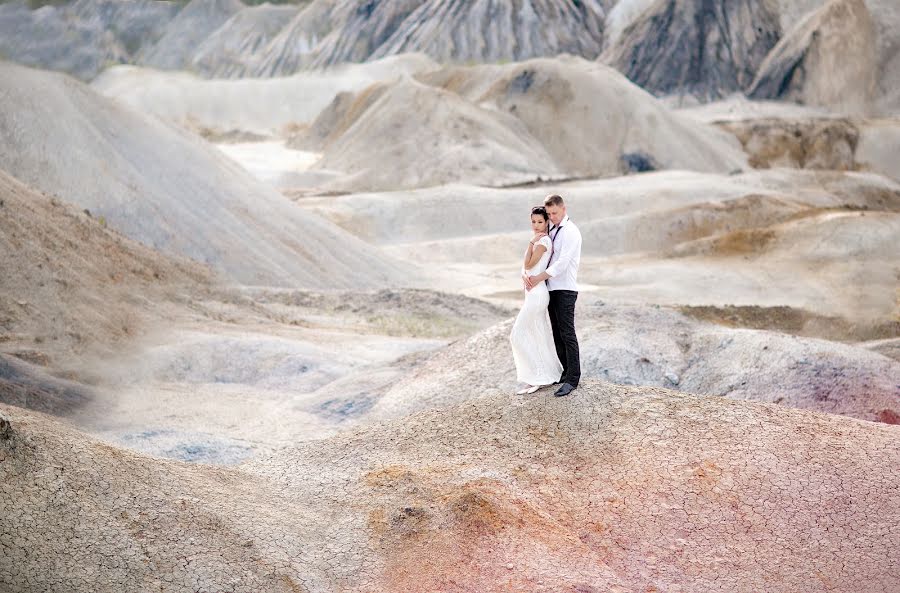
[(545, 241)]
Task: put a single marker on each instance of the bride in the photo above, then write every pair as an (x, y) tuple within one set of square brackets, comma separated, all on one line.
[(532, 337)]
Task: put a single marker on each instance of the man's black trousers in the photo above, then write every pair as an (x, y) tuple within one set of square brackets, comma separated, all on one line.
[(562, 319)]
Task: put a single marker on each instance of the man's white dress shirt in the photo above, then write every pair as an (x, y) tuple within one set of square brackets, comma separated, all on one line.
[(565, 257)]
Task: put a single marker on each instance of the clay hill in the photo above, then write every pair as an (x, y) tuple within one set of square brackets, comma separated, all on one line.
[(72, 285), (496, 125), (169, 189), (839, 54), (828, 60), (617, 489), (81, 37), (183, 34), (223, 52), (652, 346), (705, 49), (328, 32)]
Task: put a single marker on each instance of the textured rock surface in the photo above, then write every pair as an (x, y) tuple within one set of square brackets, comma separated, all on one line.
[(659, 347), (495, 30), (615, 488), (224, 53), (193, 23), (169, 189), (621, 16), (81, 37), (329, 32), (828, 59), (807, 144), (424, 136), (704, 48)]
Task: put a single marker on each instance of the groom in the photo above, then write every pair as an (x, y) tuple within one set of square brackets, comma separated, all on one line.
[(561, 275)]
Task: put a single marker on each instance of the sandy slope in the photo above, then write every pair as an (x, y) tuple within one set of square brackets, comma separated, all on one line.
[(70, 283), (617, 488), (263, 106), (169, 189)]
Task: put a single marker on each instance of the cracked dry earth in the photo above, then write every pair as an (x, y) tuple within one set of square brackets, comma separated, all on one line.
[(613, 489)]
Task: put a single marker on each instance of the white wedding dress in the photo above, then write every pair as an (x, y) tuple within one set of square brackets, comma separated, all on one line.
[(532, 337)]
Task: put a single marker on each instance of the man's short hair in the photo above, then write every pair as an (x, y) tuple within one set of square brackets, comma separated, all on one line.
[(553, 200)]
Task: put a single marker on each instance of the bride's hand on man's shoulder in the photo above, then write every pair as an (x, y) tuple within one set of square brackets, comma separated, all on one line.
[(537, 237)]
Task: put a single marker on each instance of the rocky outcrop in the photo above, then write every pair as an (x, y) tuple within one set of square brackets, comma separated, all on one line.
[(622, 15), (169, 189), (296, 46), (83, 37), (703, 48), (225, 53), (184, 34), (499, 30), (647, 346), (329, 32), (828, 144), (827, 60), (614, 488)]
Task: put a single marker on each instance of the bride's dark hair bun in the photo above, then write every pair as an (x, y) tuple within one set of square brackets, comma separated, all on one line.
[(540, 210)]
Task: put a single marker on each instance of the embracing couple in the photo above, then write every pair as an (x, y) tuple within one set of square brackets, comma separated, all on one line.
[(543, 339)]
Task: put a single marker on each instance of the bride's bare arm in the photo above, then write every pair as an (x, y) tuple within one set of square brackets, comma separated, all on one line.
[(533, 255)]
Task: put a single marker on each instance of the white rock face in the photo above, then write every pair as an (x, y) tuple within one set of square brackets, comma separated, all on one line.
[(495, 30), (225, 52), (622, 16), (184, 34), (169, 189), (329, 32), (829, 60), (706, 50), (81, 37)]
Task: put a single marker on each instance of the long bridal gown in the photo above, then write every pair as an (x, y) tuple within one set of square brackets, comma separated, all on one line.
[(532, 337)]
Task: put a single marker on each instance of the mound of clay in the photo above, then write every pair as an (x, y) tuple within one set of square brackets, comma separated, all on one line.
[(615, 488), (693, 47), (886, 17), (169, 189), (184, 34), (424, 136), (81, 37), (70, 282), (261, 106), (495, 125), (828, 59), (224, 53), (498, 30), (659, 347)]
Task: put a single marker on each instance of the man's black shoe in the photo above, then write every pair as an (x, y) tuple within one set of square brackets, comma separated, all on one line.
[(565, 389)]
